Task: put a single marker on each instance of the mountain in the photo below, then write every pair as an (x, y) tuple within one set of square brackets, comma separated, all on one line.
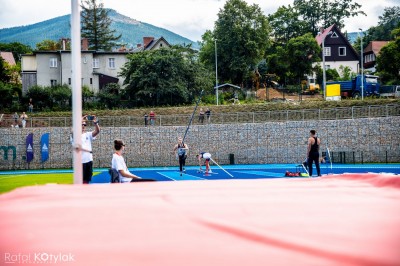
[(132, 31)]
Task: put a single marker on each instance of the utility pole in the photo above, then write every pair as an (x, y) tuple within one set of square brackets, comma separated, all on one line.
[(216, 70)]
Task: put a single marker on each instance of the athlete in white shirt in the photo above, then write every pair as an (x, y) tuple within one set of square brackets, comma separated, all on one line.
[(86, 147), (119, 164)]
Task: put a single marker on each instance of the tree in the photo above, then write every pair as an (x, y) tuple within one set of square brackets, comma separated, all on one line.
[(242, 34), (164, 77), (110, 96), (302, 52), (323, 13), (48, 45), (96, 26), (286, 24), (389, 21), (17, 49), (388, 61)]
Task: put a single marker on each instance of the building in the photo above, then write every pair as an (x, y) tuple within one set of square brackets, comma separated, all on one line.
[(8, 57), (338, 50), (99, 68), (371, 52)]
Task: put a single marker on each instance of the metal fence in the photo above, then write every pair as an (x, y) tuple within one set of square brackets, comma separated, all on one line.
[(227, 118)]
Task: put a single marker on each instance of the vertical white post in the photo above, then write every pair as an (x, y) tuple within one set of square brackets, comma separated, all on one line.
[(76, 89), (323, 68), (216, 70), (362, 68)]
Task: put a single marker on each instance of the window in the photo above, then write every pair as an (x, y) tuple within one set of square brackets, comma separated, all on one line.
[(53, 62), (327, 51), (95, 63), (334, 35), (111, 63), (91, 81), (53, 82), (342, 51), (69, 81)]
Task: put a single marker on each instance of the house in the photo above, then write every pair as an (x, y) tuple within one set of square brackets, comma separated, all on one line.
[(370, 54), (8, 57), (338, 50), (150, 43), (99, 68)]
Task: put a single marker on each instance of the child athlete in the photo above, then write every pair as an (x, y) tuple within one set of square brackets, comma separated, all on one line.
[(206, 156)]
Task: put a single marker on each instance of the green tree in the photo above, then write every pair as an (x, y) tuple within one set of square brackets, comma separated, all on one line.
[(17, 49), (164, 77), (5, 75), (286, 24), (242, 34), (48, 45), (388, 62), (317, 13), (302, 52), (96, 26), (110, 96), (389, 21)]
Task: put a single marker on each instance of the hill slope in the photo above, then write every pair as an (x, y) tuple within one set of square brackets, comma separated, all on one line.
[(132, 31)]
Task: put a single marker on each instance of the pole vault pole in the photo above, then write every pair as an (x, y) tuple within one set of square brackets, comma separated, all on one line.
[(191, 118), (221, 167)]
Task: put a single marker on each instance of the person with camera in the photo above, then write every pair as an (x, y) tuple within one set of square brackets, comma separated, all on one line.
[(86, 146)]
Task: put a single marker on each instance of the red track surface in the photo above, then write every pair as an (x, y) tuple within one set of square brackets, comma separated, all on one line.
[(333, 220)]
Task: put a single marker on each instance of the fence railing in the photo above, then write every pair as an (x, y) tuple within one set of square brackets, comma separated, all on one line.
[(225, 118)]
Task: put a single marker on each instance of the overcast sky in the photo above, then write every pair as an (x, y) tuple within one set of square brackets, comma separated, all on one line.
[(189, 18)]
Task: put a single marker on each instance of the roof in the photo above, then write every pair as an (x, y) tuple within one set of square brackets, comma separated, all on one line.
[(375, 46), (323, 35), (8, 57)]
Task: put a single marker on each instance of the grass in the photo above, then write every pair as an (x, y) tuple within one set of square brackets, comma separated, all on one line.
[(257, 106), (13, 181)]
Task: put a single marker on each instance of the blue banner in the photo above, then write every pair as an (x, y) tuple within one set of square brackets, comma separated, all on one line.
[(29, 148), (44, 147)]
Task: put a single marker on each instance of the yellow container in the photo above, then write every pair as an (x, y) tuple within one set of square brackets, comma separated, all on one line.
[(332, 90)]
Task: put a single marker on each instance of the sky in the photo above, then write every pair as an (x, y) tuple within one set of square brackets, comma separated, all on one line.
[(188, 18)]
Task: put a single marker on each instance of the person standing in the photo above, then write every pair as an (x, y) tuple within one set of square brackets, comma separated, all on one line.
[(201, 116), (118, 163), (15, 117), (313, 152), (208, 114), (146, 119), (24, 117), (86, 147), (181, 150), (30, 105), (152, 118)]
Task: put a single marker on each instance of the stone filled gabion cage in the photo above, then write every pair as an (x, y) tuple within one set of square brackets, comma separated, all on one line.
[(359, 140)]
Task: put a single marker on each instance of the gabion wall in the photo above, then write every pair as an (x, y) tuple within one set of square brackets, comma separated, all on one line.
[(365, 139)]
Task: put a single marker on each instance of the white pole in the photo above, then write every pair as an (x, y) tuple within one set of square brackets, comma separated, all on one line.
[(221, 167), (76, 89), (216, 70), (323, 68), (362, 68)]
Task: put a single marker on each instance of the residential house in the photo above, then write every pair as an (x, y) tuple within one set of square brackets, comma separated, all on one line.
[(150, 43), (370, 54), (338, 50), (8, 57), (99, 68)]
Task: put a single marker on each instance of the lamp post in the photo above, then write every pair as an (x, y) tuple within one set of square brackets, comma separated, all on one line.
[(323, 63), (323, 68), (362, 67), (216, 70)]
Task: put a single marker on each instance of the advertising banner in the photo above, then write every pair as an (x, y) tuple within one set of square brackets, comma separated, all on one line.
[(29, 148), (44, 147)]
